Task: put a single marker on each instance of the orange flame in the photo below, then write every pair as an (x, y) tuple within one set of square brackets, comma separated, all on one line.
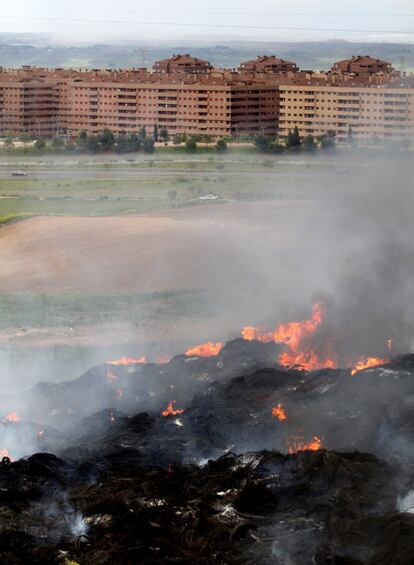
[(128, 361), (249, 333), (294, 334), (5, 453), (314, 445), (170, 411), (279, 412), (12, 417), (208, 349), (366, 363)]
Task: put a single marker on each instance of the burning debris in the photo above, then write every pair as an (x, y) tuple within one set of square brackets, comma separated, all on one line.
[(137, 483), (367, 363), (171, 411), (304, 350), (208, 349), (297, 336), (297, 444), (279, 413), (4, 454), (12, 417)]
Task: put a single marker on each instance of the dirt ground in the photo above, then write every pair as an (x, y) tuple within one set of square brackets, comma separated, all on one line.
[(197, 247)]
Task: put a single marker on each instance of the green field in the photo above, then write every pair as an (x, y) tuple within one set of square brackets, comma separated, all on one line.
[(82, 309), (89, 188)]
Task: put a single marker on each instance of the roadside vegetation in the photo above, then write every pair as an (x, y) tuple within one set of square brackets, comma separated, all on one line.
[(160, 141), (108, 142)]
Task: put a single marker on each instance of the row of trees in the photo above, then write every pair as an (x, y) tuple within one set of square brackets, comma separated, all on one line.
[(294, 142), (191, 145), (141, 141), (128, 143)]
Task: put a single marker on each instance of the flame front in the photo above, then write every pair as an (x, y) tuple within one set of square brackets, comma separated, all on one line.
[(366, 363), (4, 453), (208, 349), (249, 333), (296, 445), (12, 417), (170, 411), (128, 361), (279, 413), (295, 335)]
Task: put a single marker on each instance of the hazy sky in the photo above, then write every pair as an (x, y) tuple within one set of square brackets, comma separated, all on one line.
[(186, 19)]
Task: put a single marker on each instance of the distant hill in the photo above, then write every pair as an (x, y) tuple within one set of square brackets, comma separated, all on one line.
[(28, 49)]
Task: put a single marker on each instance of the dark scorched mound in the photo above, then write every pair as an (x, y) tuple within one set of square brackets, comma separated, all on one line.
[(213, 484)]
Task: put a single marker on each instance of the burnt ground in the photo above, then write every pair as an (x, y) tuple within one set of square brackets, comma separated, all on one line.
[(109, 479)]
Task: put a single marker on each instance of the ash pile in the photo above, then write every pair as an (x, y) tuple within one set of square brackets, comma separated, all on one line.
[(223, 459)]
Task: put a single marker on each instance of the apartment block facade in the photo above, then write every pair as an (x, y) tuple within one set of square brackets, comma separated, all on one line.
[(187, 95), (368, 112), (215, 107)]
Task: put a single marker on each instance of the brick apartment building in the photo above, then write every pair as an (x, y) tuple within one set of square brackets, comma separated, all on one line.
[(187, 95), (363, 95), (376, 111)]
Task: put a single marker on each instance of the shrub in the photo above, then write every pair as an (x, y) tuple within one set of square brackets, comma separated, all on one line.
[(191, 145), (221, 146)]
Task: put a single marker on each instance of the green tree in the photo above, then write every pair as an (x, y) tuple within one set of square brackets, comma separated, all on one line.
[(57, 143), (121, 143), (278, 148), (40, 144), (328, 143), (206, 138), (82, 138), (350, 136), (148, 145), (293, 139), (191, 145), (155, 133), (134, 142), (179, 138), (164, 135), (309, 143), (92, 143), (263, 143), (106, 139), (221, 146), (142, 133)]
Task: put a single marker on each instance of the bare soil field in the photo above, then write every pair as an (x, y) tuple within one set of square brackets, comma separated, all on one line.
[(199, 247)]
